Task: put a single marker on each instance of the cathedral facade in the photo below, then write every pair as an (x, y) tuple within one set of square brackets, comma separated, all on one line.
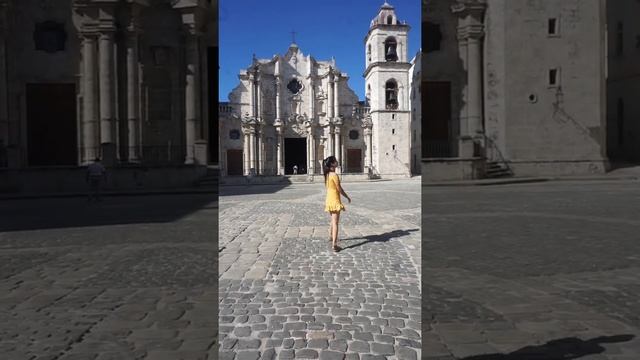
[(291, 111)]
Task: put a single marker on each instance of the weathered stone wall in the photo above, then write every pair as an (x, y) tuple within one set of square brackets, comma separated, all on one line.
[(623, 83), (545, 122), (27, 65), (445, 64)]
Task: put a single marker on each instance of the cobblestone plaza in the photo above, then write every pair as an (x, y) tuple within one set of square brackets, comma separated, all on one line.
[(129, 278), (285, 294), (535, 271)]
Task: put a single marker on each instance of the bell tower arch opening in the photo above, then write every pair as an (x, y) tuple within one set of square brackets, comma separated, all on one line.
[(390, 49)]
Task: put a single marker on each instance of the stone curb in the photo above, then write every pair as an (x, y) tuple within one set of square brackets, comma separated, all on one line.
[(508, 181), (110, 193)]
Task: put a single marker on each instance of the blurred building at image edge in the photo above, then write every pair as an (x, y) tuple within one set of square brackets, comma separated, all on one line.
[(126, 81), (529, 88)]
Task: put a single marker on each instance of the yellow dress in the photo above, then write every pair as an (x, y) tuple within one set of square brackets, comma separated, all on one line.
[(333, 202)]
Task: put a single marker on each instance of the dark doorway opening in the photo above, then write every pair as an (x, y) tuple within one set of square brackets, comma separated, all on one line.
[(295, 154), (436, 117), (234, 162), (354, 160), (212, 70), (51, 125)]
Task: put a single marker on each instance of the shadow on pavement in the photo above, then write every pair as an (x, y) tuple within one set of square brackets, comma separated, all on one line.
[(52, 213), (232, 190), (379, 238), (561, 349)]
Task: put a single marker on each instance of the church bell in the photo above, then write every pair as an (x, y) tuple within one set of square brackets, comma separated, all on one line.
[(391, 53)]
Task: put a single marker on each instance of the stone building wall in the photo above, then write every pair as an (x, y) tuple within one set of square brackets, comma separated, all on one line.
[(505, 53), (554, 128), (125, 82), (623, 80)]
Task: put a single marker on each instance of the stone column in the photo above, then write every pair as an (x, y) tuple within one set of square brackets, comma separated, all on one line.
[(258, 100), (368, 151), (330, 140), (338, 145), (311, 99), (107, 98), (260, 160), (252, 90), (245, 152), (308, 140), (336, 101), (470, 35), (252, 150), (191, 94), (330, 109), (278, 89), (279, 150), (474, 74), (133, 103), (312, 151), (278, 98), (90, 139)]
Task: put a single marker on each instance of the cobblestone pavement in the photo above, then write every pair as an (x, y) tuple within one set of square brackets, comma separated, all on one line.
[(127, 278), (537, 271), (284, 294)]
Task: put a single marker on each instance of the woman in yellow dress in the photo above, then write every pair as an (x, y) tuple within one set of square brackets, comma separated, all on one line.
[(333, 204)]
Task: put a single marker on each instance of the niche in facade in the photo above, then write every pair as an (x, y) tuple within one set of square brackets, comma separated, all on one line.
[(50, 36), (431, 36)]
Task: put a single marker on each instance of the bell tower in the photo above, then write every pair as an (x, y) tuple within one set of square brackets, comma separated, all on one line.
[(387, 92)]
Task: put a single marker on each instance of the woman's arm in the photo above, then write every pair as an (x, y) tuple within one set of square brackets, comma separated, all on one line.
[(340, 189)]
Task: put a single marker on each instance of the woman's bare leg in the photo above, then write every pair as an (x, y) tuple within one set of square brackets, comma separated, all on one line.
[(335, 219)]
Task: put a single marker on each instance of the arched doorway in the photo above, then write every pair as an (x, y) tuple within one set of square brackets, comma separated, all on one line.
[(295, 154)]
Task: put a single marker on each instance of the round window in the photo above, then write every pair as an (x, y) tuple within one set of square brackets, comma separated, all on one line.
[(294, 86), (354, 135), (234, 134)]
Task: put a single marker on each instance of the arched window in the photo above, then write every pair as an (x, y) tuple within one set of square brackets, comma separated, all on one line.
[(234, 134), (369, 51), (391, 95), (390, 53), (390, 20)]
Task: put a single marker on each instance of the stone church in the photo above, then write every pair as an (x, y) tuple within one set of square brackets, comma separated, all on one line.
[(529, 87), (292, 111), (124, 80)]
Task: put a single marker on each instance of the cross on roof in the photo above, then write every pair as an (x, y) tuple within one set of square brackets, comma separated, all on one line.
[(293, 36)]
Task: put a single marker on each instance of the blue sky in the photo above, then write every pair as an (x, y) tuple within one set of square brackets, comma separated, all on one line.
[(323, 29)]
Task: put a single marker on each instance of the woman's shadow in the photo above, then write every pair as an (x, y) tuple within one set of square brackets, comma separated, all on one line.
[(378, 238), (561, 349)]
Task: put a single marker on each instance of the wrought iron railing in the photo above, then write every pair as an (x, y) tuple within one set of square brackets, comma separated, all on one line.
[(225, 109), (437, 149)]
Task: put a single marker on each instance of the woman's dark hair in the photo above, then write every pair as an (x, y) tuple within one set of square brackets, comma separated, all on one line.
[(326, 166)]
